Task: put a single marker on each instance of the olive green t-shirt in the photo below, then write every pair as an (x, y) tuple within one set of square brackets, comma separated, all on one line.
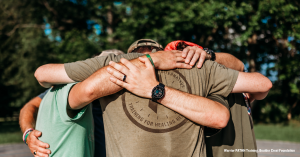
[(136, 127), (237, 136), (67, 137)]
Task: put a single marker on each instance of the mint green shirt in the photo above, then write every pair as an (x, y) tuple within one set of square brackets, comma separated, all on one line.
[(67, 137)]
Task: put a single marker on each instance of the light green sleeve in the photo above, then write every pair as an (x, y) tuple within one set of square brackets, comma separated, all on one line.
[(221, 79), (81, 70), (61, 93)]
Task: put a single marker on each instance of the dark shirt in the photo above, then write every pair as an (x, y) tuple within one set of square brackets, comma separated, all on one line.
[(43, 94), (99, 130)]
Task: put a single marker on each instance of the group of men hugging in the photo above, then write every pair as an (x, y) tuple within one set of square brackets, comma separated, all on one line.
[(181, 100)]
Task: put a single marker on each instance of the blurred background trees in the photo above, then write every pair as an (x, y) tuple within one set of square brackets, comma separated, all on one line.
[(264, 34)]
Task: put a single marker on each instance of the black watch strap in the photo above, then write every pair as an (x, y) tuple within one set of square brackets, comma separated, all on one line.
[(211, 53)]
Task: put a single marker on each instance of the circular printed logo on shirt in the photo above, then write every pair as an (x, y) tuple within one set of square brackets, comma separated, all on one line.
[(154, 117)]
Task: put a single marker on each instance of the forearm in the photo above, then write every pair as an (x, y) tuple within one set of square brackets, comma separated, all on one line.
[(207, 113), (257, 96), (28, 114), (229, 61), (51, 74), (96, 86), (252, 83)]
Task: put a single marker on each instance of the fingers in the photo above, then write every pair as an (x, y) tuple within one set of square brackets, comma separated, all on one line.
[(183, 66), (120, 83), (39, 154), (201, 60), (129, 65), (43, 150), (41, 144), (147, 62), (36, 133), (115, 73), (33, 139), (185, 52), (195, 57), (119, 67), (189, 56), (180, 59), (177, 53)]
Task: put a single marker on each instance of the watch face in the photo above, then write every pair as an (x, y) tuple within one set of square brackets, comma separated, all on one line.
[(155, 117), (158, 92)]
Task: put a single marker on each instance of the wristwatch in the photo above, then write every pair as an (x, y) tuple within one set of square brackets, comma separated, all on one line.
[(158, 92), (211, 53)]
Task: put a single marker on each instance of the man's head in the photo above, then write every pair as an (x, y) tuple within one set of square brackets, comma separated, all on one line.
[(144, 46), (107, 52), (114, 51)]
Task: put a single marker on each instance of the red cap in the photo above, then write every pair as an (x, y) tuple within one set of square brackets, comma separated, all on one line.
[(173, 45)]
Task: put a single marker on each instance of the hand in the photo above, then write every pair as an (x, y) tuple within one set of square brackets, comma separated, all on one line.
[(138, 81), (250, 97), (35, 145), (192, 54), (167, 60)]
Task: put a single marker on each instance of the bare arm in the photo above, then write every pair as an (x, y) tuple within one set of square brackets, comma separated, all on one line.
[(50, 74), (98, 84), (258, 84), (207, 113), (255, 83), (27, 120), (142, 80), (28, 114), (229, 61), (222, 58)]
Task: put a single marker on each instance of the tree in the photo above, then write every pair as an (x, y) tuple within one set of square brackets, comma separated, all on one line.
[(263, 33)]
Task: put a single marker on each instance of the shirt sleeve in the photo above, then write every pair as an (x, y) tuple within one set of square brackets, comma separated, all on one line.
[(81, 70), (61, 100), (219, 99), (221, 79)]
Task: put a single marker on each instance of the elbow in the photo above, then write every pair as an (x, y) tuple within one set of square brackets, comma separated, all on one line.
[(39, 74), (223, 120), (241, 66), (267, 86), (40, 77)]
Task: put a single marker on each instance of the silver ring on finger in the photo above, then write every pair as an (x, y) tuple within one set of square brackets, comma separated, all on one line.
[(124, 78), (34, 153)]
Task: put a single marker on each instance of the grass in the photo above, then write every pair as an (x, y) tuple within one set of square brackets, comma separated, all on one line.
[(10, 132), (278, 132)]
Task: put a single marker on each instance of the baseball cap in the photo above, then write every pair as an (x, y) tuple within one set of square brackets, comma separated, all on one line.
[(143, 42)]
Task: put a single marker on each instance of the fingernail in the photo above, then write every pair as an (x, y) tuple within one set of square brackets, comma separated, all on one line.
[(110, 62)]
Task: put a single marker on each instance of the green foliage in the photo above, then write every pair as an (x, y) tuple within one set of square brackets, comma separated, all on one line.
[(10, 132), (278, 132), (255, 31)]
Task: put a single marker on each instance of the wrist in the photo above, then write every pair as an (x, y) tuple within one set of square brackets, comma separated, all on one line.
[(26, 134), (154, 59), (210, 54)]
